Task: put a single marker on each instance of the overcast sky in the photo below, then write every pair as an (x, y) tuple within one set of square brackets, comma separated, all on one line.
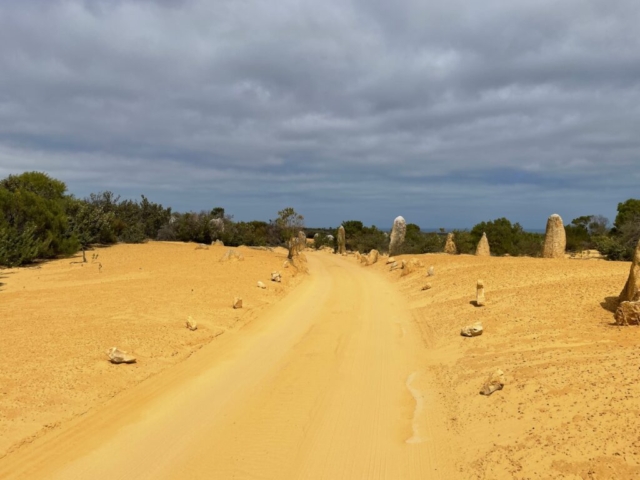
[(447, 112)]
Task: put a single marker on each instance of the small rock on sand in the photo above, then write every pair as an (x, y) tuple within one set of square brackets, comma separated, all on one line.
[(261, 285), (118, 356), (480, 300), (494, 383), (628, 313), (426, 286), (474, 330), (276, 277), (237, 302), (191, 324)]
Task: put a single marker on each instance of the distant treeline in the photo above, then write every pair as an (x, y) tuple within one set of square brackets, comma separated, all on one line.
[(40, 220)]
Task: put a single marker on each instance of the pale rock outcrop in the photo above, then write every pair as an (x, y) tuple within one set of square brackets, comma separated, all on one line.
[(292, 246), (495, 382), (394, 266), (276, 277), (302, 241), (218, 243), (342, 249), (431, 272), (237, 302), (480, 300), (631, 290), (191, 324), (450, 245), (398, 233), (118, 356), (474, 330), (483, 250), (391, 260), (410, 266), (261, 285), (555, 238), (232, 255), (299, 262), (628, 313), (373, 257)]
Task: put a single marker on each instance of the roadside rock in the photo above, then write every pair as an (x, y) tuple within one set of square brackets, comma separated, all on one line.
[(373, 257), (555, 238), (191, 324), (118, 356), (398, 233), (342, 249), (474, 330), (494, 383)]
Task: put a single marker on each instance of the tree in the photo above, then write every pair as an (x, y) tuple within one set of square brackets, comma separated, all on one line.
[(626, 211), (289, 223)]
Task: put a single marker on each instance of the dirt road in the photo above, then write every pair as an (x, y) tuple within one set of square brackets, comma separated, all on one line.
[(328, 383)]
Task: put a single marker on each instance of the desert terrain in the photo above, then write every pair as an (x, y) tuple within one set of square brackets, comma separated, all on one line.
[(350, 372)]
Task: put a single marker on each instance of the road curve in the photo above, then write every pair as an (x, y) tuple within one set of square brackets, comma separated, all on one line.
[(326, 384)]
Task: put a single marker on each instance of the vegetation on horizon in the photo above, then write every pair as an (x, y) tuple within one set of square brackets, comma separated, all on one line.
[(40, 220)]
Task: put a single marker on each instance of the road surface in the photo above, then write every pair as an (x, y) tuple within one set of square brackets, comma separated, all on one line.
[(326, 384)]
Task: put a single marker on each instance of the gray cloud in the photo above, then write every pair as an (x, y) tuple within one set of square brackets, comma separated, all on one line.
[(446, 112)]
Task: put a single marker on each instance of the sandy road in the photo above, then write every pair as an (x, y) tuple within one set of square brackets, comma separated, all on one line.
[(326, 384)]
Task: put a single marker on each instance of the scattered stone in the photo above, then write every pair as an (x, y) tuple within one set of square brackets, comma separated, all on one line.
[(261, 285), (628, 313), (373, 257), (237, 302), (450, 246), (474, 330), (480, 300), (394, 266), (276, 277), (483, 250), (631, 290), (342, 249), (431, 272), (398, 232), (555, 238), (426, 286), (191, 324), (233, 255), (410, 266), (391, 260), (285, 264), (118, 356), (494, 383)]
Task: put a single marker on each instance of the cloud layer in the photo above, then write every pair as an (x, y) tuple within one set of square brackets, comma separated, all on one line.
[(447, 112)]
